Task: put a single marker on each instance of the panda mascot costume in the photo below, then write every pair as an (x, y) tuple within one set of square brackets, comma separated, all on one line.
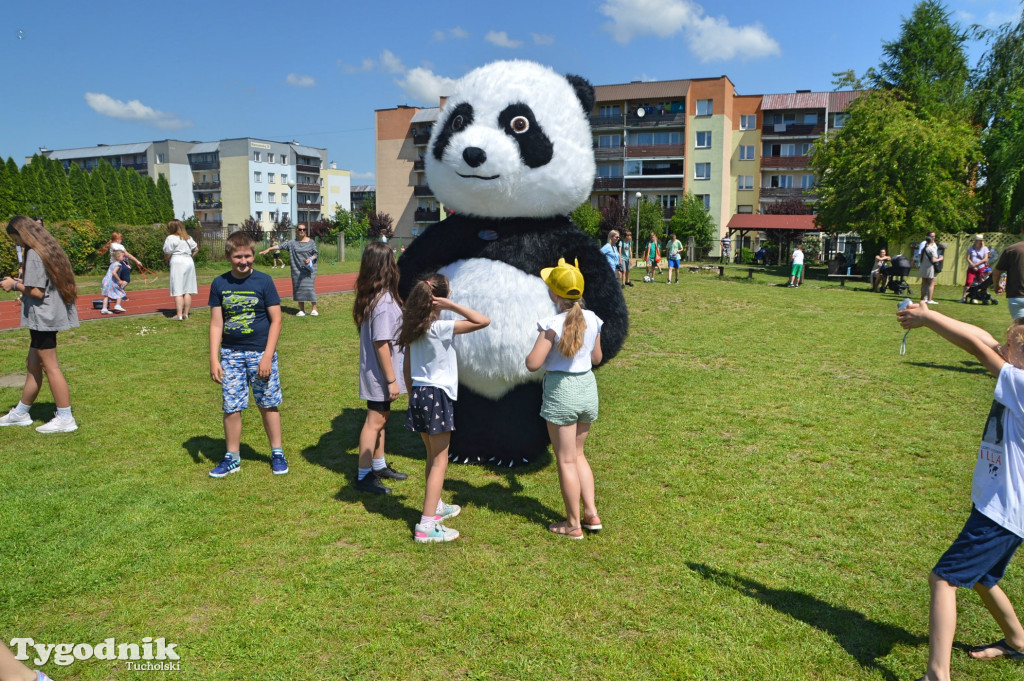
[(512, 155)]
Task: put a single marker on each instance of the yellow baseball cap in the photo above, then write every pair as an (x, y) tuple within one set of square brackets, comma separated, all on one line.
[(565, 280)]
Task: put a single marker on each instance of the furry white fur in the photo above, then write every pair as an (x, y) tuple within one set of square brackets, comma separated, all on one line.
[(557, 188), (492, 360)]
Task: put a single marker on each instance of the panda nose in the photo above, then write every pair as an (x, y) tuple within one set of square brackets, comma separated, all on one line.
[(474, 156)]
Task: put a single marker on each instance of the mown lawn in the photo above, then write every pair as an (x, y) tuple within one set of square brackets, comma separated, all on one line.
[(774, 479)]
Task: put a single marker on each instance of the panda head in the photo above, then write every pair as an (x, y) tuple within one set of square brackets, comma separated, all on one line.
[(513, 140)]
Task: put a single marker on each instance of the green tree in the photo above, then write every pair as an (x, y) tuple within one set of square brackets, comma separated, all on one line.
[(652, 219), (887, 174), (692, 219), (588, 219), (124, 182), (928, 62), (140, 204), (849, 80), (6, 195), (17, 192), (98, 206), (33, 185), (367, 208), (78, 183), (354, 228), (61, 204), (165, 210)]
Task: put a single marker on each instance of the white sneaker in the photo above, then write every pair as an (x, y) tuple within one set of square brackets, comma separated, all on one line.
[(314, 313), (118, 308), (300, 313), (105, 311), (58, 425), (12, 418), (438, 533)]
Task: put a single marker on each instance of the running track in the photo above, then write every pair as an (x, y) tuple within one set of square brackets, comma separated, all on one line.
[(158, 301)]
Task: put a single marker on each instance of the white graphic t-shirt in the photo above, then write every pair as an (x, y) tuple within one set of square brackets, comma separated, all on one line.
[(998, 488)]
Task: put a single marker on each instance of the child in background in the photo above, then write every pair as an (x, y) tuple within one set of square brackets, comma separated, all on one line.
[(433, 378), (47, 307), (278, 262), (568, 346), (112, 286), (378, 314), (980, 555), (652, 255), (245, 324), (113, 246), (674, 248), (626, 256)]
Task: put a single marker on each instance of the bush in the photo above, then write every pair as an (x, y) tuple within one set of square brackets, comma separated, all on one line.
[(8, 256), (80, 239), (145, 242), (746, 256)]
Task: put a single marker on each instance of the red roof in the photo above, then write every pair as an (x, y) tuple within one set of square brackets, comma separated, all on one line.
[(770, 222)]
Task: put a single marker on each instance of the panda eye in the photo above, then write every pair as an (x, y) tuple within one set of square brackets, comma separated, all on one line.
[(519, 124), (458, 123)]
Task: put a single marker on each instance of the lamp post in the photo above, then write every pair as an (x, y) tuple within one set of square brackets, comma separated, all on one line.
[(293, 214), (636, 237)]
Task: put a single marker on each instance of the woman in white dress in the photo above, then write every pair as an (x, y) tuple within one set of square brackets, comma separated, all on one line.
[(178, 251)]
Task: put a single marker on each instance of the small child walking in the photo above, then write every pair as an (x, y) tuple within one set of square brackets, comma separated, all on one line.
[(377, 313), (433, 376), (978, 557), (245, 324), (568, 346), (113, 246), (112, 286)]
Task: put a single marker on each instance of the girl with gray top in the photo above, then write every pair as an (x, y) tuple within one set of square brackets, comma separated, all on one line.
[(47, 307), (302, 255)]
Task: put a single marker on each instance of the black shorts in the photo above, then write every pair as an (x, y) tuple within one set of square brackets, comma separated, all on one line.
[(42, 340), (383, 407), (125, 273)]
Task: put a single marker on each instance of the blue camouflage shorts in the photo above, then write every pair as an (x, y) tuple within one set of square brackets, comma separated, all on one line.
[(240, 372)]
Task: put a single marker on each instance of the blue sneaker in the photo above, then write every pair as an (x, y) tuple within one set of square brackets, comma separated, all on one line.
[(278, 463), (228, 465)]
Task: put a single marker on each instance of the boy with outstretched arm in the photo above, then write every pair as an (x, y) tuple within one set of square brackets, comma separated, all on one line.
[(979, 556), (245, 323)]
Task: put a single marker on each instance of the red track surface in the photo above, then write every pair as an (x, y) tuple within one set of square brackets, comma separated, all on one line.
[(157, 300)]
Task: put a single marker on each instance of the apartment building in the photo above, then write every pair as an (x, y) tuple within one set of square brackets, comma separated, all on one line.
[(737, 153)]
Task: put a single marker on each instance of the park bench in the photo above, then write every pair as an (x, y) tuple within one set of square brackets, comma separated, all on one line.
[(750, 269), (843, 277), (698, 268)]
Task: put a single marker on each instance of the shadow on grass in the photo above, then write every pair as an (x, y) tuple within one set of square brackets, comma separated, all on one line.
[(863, 639), (965, 367), (203, 448)]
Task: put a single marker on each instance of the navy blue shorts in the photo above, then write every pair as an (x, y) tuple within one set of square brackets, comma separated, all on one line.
[(979, 555), (126, 272), (431, 411)]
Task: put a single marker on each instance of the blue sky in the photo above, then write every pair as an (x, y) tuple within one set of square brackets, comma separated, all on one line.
[(78, 74)]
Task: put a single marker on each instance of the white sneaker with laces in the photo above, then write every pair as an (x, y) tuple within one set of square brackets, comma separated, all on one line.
[(58, 425), (300, 313), (118, 308), (12, 418)]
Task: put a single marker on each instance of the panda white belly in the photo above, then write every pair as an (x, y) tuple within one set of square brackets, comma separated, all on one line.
[(492, 361)]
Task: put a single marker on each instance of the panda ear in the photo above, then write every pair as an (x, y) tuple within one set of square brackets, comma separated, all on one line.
[(584, 92)]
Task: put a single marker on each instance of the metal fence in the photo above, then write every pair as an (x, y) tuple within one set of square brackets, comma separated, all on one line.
[(332, 249)]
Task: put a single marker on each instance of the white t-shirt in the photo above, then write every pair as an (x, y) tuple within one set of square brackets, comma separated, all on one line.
[(998, 487), (432, 358), (114, 247), (976, 255), (798, 257), (580, 362)]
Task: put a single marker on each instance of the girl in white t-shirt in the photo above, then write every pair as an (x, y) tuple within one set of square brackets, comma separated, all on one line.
[(432, 375), (568, 346)]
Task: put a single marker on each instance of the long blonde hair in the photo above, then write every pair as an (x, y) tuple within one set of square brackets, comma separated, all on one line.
[(55, 260), (573, 329), (177, 227)]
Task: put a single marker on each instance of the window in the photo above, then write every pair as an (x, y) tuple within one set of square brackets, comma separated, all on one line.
[(270, 159), (702, 171), (705, 200), (787, 150), (284, 197), (257, 176), (284, 179), (807, 181), (259, 216), (748, 121), (653, 138), (161, 158), (271, 197), (270, 178), (610, 110), (256, 156), (780, 181), (745, 210), (804, 148), (259, 197), (633, 168), (204, 179), (788, 119), (810, 119), (746, 152), (606, 141), (705, 107), (840, 120), (609, 170), (667, 200), (703, 139), (284, 214), (745, 182)]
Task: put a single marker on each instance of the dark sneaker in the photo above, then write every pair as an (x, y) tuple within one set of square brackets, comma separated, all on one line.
[(372, 484), (278, 464), (227, 466), (390, 473)]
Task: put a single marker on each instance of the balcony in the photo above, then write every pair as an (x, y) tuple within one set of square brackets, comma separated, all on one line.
[(606, 153), (206, 205), (606, 183), (427, 215), (652, 150), (656, 119), (420, 138), (135, 166), (654, 182), (422, 190), (782, 193), (792, 130), (607, 121), (419, 165), (211, 224), (785, 161), (208, 165), (307, 168), (307, 187), (310, 205), (205, 186)]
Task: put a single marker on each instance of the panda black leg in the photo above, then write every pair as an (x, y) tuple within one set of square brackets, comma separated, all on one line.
[(505, 432)]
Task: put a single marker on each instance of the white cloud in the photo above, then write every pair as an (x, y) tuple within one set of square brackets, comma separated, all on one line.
[(390, 63), (366, 65), (134, 110), (362, 176), (709, 38), (501, 39), (423, 85), (458, 33), (299, 80), (541, 39)]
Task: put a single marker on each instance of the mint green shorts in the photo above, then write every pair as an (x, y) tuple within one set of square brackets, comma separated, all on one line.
[(569, 398)]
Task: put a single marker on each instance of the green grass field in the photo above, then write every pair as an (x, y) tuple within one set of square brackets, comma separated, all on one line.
[(775, 482)]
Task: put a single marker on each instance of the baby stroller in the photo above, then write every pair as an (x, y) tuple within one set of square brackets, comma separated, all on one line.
[(898, 272), (978, 290)]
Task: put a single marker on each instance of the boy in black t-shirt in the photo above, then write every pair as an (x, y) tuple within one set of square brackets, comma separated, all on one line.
[(245, 323)]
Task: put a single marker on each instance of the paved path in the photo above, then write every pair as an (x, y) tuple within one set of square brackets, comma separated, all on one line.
[(150, 301)]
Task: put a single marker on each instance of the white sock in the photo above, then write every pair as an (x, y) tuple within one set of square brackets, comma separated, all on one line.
[(363, 472), (22, 408), (378, 464), (64, 412), (427, 522), (440, 506)]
